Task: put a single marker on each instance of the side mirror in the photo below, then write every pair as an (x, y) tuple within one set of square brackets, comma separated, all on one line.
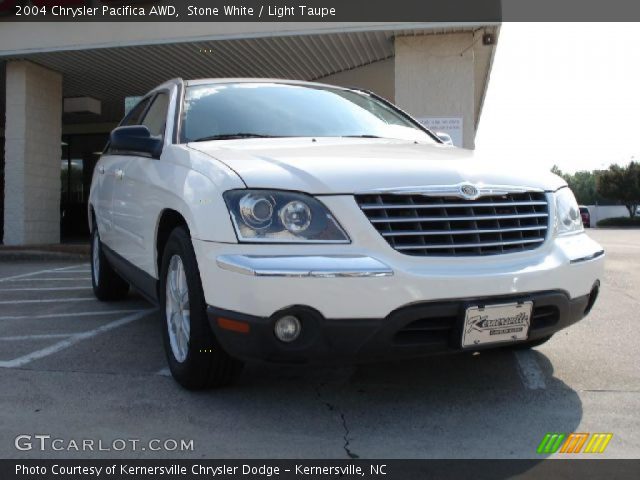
[(444, 138), (135, 139)]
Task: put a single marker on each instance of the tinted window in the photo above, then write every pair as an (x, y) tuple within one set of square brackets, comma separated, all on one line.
[(285, 110), (156, 116)]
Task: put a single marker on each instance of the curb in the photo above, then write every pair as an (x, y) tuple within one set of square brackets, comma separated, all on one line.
[(41, 255)]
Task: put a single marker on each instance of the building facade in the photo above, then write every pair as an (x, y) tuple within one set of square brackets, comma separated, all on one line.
[(66, 86)]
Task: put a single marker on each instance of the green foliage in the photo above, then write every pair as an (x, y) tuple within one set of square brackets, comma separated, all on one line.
[(583, 184), (620, 222), (621, 184)]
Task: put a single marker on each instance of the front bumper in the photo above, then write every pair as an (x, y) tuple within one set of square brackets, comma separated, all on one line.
[(367, 302), (416, 330), (368, 279)]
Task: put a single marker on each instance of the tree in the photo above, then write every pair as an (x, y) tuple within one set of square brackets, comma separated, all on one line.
[(556, 169), (621, 184), (583, 185)]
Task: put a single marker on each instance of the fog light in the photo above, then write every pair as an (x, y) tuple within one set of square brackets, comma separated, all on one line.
[(287, 328)]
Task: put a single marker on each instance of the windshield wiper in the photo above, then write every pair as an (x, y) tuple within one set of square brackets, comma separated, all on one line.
[(231, 136)]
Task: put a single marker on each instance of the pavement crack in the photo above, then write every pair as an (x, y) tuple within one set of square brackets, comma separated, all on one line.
[(334, 408), (346, 437)]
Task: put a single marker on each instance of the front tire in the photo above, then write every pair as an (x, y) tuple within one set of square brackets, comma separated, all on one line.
[(196, 360), (107, 284)]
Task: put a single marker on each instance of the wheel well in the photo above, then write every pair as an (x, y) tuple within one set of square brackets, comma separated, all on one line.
[(169, 220)]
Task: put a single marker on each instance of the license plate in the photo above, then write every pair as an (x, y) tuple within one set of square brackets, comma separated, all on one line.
[(507, 322)]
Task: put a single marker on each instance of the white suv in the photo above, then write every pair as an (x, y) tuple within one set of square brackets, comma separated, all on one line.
[(301, 222)]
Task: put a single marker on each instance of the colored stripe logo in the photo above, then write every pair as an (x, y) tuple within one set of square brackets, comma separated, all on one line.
[(598, 443), (554, 442), (574, 443)]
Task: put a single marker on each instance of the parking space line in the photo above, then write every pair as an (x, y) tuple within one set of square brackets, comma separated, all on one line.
[(165, 372), (49, 270), (18, 338), (49, 279), (62, 315), (49, 300), (530, 372), (47, 289), (57, 347)]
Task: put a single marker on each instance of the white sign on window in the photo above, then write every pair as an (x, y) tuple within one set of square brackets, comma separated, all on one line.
[(450, 125)]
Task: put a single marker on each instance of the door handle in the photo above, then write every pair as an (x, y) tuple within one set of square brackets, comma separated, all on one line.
[(119, 174), (101, 170)]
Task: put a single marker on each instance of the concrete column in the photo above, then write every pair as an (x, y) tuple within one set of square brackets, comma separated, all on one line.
[(32, 154), (434, 77)]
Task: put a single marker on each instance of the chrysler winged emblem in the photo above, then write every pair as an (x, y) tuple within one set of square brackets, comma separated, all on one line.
[(469, 192)]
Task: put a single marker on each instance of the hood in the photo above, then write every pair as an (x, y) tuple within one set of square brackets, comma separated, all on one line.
[(350, 165)]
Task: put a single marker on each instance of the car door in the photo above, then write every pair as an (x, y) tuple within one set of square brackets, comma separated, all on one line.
[(102, 196), (135, 196), (105, 177)]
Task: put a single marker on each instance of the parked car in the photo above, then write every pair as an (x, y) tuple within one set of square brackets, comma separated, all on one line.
[(586, 216), (300, 222)]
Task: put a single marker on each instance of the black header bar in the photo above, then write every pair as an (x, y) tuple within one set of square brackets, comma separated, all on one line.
[(446, 11), (585, 469)]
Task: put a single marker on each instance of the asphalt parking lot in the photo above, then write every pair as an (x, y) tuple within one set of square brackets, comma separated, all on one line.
[(74, 368)]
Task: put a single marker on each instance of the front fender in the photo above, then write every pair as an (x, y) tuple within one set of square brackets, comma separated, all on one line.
[(204, 209), (193, 186)]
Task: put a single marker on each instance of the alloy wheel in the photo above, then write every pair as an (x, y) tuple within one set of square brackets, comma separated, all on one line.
[(177, 309)]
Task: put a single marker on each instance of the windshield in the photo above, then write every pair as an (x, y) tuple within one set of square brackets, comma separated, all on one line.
[(262, 109)]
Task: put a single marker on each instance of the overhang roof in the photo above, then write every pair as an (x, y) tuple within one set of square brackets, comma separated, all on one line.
[(110, 73)]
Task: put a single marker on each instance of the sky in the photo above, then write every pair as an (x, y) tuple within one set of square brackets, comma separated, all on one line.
[(565, 94)]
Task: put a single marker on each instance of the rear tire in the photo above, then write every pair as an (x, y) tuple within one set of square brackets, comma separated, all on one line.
[(196, 359), (107, 284)]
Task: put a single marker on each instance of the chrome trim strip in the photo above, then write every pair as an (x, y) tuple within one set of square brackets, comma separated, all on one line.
[(593, 256), (451, 219), (407, 233), (468, 245), (318, 266), (382, 206), (453, 190)]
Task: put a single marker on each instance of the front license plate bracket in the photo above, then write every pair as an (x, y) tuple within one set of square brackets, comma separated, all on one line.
[(498, 323)]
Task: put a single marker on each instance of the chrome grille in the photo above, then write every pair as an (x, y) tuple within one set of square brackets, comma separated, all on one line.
[(449, 226)]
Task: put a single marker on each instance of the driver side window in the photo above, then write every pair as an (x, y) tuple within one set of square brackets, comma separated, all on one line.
[(133, 118), (156, 118)]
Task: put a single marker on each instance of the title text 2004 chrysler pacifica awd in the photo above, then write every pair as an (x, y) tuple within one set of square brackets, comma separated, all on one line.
[(299, 222)]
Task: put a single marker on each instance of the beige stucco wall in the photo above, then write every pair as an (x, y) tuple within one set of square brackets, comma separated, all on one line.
[(32, 154), (483, 61), (377, 77), (435, 77)]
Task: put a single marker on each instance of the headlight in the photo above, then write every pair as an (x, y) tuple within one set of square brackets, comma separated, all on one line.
[(568, 219), (281, 217)]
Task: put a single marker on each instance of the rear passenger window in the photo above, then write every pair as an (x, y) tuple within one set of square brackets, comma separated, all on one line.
[(156, 117)]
